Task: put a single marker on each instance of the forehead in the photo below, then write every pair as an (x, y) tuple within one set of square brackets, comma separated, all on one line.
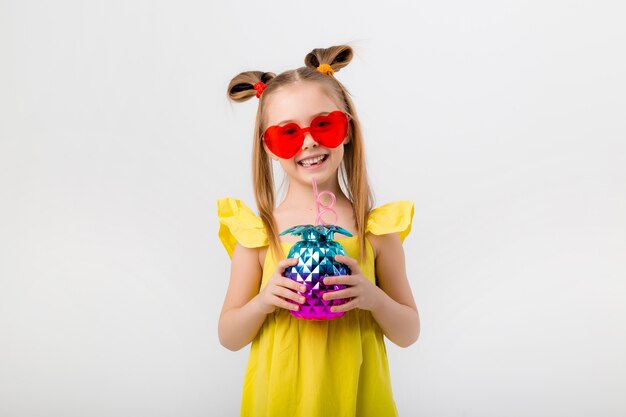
[(298, 102)]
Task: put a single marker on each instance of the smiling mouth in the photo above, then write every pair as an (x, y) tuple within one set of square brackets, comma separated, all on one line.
[(311, 162)]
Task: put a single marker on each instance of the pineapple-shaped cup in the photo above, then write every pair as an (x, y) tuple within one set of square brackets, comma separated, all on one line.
[(315, 254)]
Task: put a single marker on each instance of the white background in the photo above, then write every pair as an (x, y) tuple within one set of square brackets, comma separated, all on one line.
[(503, 120)]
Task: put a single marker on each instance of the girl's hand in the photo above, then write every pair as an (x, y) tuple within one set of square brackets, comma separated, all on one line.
[(279, 288), (361, 292)]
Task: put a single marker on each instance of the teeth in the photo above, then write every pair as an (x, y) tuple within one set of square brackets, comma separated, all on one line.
[(311, 161)]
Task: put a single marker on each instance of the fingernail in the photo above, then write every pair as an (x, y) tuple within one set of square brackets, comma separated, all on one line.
[(302, 299), (302, 288)]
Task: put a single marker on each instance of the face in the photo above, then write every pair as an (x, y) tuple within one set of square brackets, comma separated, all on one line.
[(301, 103)]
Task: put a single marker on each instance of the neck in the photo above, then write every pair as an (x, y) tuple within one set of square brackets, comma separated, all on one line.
[(301, 195)]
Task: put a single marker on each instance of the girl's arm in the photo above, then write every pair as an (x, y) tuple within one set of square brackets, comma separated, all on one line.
[(395, 309), (240, 319), (391, 302), (245, 308)]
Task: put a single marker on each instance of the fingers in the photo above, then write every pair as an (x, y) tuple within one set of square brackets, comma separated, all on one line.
[(344, 307), (333, 295), (285, 263), (351, 262), (287, 293), (282, 297), (339, 279), (280, 271), (289, 283), (281, 280), (284, 290), (279, 302)]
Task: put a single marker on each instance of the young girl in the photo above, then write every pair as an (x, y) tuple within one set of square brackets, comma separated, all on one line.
[(300, 367)]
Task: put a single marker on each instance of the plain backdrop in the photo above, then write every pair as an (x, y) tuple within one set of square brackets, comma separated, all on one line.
[(504, 121)]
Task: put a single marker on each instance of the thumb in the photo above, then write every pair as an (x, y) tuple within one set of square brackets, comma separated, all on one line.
[(352, 263)]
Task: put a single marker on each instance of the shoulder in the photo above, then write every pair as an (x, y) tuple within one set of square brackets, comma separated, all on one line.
[(239, 225), (389, 224)]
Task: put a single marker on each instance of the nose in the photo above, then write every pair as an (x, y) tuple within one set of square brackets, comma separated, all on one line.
[(308, 142)]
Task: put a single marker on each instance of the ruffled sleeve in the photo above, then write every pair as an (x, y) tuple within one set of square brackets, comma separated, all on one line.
[(391, 218), (239, 224)]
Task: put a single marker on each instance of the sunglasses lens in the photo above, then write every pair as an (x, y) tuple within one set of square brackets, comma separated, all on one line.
[(283, 141), (330, 130)]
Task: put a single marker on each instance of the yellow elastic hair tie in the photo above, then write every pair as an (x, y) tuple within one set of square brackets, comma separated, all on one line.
[(325, 69)]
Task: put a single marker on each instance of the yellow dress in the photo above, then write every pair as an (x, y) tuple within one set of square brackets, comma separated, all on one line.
[(301, 368)]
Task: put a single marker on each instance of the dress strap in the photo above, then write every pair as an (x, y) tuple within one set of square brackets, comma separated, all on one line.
[(239, 224)]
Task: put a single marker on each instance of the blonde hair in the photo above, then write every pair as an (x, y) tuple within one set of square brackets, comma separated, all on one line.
[(352, 170)]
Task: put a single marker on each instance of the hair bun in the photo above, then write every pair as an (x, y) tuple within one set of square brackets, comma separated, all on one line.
[(335, 56), (241, 87)]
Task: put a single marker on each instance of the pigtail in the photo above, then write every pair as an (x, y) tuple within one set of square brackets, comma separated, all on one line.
[(241, 87), (335, 56)]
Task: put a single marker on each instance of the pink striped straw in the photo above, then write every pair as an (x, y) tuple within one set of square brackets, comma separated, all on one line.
[(324, 208)]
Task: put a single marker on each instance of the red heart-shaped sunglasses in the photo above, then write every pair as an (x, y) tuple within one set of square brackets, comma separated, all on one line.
[(328, 130)]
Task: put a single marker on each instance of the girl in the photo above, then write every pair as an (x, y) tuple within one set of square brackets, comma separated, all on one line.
[(313, 368)]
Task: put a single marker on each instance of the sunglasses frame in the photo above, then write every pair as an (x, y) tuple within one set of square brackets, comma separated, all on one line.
[(301, 133)]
